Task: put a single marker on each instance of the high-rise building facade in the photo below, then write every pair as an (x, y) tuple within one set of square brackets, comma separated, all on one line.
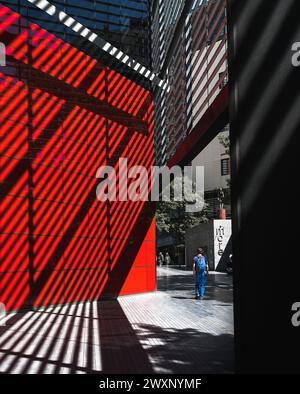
[(68, 106), (189, 48)]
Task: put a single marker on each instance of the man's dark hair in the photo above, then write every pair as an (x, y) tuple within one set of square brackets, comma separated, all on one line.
[(200, 251)]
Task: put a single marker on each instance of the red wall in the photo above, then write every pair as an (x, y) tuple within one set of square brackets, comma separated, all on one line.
[(62, 115)]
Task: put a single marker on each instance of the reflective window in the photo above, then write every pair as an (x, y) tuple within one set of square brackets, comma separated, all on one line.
[(124, 23)]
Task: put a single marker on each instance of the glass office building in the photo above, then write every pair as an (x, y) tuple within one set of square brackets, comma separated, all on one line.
[(189, 48)]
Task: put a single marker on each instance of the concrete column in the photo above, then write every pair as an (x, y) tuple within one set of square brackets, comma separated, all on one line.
[(265, 124)]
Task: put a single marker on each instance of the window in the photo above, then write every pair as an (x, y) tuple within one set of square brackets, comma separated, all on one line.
[(225, 166), (223, 79)]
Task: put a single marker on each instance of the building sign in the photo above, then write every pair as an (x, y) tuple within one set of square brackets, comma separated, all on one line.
[(222, 234)]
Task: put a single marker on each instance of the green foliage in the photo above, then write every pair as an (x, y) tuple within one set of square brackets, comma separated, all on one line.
[(225, 141), (172, 219)]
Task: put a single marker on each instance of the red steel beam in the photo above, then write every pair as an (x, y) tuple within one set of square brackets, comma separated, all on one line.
[(211, 123)]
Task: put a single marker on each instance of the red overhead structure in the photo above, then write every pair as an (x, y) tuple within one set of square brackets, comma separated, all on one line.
[(214, 119), (62, 116)]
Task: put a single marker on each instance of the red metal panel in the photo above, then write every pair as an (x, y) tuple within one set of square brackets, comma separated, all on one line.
[(14, 290), (62, 116), (14, 250)]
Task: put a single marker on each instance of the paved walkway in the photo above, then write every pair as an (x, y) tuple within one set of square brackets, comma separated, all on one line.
[(164, 332)]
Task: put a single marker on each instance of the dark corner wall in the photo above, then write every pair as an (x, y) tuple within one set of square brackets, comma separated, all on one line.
[(64, 114), (265, 121)]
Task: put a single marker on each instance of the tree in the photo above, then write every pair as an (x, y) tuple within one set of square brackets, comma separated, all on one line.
[(224, 139), (173, 219)]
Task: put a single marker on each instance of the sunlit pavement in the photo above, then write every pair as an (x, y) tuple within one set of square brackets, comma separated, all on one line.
[(164, 332)]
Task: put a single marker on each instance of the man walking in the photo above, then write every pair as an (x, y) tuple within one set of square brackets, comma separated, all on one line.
[(167, 259), (200, 271), (160, 259)]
